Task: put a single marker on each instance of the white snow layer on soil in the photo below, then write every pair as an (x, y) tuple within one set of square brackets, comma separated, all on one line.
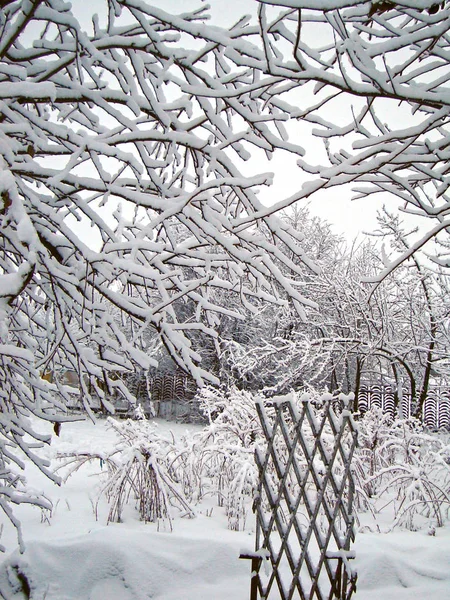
[(117, 563), (73, 556)]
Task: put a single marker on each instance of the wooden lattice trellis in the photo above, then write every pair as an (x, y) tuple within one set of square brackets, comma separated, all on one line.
[(304, 521)]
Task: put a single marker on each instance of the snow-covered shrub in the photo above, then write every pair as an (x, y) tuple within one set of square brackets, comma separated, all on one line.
[(420, 475), (402, 468), (138, 469), (399, 470), (372, 455), (184, 465), (226, 448)]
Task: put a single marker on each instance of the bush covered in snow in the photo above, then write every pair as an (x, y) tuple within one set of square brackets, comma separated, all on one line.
[(138, 469), (401, 472), (401, 468)]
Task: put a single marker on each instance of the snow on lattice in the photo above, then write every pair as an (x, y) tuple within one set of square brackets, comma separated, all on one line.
[(304, 503)]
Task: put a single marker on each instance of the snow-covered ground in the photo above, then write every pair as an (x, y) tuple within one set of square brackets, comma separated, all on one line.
[(73, 555)]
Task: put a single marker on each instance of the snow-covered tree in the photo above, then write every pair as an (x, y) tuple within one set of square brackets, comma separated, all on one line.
[(419, 313), (370, 79), (123, 198), (127, 185), (274, 348), (395, 333)]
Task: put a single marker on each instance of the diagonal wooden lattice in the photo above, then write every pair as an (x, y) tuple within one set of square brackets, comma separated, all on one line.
[(303, 507)]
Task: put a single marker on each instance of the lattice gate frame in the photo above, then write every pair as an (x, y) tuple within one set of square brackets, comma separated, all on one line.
[(304, 520)]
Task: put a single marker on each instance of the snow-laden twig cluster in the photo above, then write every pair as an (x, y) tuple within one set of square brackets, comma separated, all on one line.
[(375, 83)]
